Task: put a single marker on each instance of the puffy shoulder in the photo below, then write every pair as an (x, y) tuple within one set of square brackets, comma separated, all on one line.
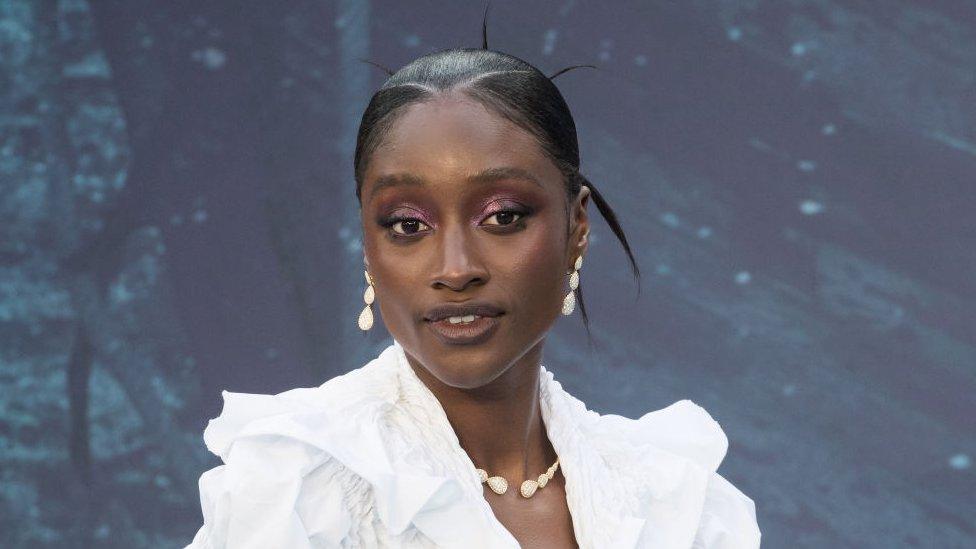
[(683, 428), (245, 509), (252, 500), (269, 445), (356, 396), (243, 410), (728, 518), (716, 513), (659, 473)]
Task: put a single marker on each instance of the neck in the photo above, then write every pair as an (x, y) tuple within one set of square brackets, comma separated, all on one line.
[(500, 424)]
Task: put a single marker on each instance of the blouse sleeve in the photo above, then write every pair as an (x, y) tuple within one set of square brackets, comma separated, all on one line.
[(728, 518), (252, 502)]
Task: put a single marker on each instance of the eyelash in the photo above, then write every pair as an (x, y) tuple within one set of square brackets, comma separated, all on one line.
[(392, 221)]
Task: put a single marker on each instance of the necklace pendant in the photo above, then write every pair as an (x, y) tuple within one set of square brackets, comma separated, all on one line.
[(543, 480), (497, 484), (528, 488)]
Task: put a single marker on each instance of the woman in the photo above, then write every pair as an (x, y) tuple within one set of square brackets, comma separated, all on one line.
[(474, 219)]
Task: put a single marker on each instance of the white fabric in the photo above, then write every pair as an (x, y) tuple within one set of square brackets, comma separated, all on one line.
[(369, 459)]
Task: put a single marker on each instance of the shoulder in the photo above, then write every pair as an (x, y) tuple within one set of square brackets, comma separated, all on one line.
[(283, 452), (728, 519), (665, 464), (683, 430), (300, 414), (686, 431)]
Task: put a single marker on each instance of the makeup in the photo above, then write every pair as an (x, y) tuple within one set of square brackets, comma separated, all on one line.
[(471, 330)]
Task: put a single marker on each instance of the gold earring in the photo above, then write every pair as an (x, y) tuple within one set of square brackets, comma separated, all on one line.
[(366, 317), (569, 302)]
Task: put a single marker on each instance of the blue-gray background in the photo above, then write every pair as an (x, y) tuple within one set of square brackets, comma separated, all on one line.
[(798, 179)]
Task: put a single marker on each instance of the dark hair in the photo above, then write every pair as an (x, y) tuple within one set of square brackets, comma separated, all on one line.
[(505, 85)]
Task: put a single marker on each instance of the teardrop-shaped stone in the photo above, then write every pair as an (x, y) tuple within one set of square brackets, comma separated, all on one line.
[(574, 280), (528, 488), (543, 480), (579, 263), (366, 319), (368, 279), (569, 303), (369, 295), (497, 485)]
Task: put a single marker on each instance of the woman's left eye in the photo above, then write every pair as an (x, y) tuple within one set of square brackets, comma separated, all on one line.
[(505, 217)]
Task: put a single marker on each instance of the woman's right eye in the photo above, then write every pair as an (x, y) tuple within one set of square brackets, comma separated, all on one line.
[(407, 227)]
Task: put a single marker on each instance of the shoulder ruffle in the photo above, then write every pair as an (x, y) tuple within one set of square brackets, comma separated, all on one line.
[(271, 443), (663, 469), (250, 501), (366, 390), (683, 428), (243, 411), (682, 447), (728, 518)]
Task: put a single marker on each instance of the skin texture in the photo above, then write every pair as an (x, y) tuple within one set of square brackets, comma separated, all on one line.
[(451, 239)]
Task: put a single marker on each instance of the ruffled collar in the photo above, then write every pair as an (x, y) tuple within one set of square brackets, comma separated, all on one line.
[(633, 482), (628, 481)]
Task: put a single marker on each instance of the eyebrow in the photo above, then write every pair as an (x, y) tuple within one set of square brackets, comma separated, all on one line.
[(486, 176)]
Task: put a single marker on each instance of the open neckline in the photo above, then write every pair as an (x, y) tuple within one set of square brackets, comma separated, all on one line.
[(473, 479)]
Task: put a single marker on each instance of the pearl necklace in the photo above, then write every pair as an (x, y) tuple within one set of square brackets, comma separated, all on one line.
[(499, 485)]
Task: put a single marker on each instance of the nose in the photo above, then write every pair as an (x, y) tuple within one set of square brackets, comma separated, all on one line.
[(459, 263)]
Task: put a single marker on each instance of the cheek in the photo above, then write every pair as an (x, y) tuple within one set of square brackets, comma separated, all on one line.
[(397, 279), (536, 268)]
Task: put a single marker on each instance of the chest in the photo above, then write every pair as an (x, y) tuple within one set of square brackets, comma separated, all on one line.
[(544, 520)]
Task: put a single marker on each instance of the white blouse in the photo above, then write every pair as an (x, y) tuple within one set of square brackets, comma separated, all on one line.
[(369, 459)]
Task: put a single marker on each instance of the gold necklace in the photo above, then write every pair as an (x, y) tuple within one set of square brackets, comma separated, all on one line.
[(499, 485)]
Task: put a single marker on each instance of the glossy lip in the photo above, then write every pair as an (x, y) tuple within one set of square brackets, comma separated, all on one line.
[(472, 333), (445, 310)]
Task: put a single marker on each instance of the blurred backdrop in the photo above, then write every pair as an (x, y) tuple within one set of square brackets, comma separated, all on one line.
[(798, 178)]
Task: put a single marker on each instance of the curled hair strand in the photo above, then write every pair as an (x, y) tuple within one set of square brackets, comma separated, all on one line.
[(569, 68)]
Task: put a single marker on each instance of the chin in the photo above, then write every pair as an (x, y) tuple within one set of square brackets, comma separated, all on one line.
[(464, 367), (466, 370), (466, 377)]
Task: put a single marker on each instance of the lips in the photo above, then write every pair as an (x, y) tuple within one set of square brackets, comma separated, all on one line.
[(473, 332), (447, 310), (463, 324)]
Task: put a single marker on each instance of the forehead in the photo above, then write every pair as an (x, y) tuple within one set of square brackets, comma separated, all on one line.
[(451, 137)]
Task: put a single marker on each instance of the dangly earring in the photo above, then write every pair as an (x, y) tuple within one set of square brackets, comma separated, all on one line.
[(366, 317), (569, 302)]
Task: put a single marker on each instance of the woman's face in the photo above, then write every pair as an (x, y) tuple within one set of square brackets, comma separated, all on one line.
[(460, 207)]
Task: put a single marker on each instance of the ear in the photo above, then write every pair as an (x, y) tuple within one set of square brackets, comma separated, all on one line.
[(579, 229)]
